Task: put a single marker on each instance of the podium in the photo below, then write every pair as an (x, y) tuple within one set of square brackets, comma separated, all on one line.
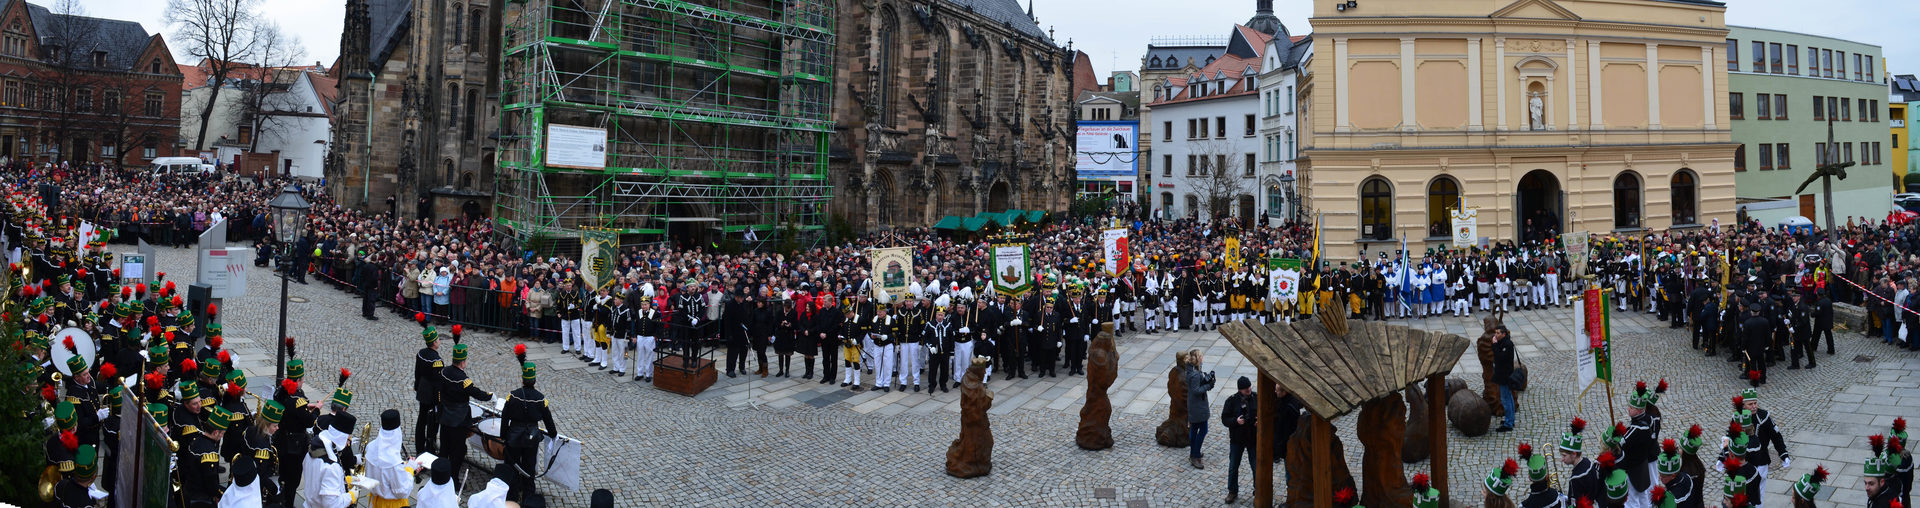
[(683, 375)]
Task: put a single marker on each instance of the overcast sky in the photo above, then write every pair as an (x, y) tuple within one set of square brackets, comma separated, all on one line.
[(1117, 30)]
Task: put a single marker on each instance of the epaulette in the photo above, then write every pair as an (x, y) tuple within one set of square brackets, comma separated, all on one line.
[(263, 454), (439, 364), (73, 400), (209, 458), (466, 383), (189, 430), (300, 402), (66, 466)]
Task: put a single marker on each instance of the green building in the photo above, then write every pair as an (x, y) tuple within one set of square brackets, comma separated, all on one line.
[(1784, 88)]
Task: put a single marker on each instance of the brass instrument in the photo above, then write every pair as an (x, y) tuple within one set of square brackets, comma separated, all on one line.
[(49, 479)]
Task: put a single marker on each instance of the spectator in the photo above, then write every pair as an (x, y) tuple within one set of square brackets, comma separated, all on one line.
[(1198, 384), (1238, 415), (1503, 374)]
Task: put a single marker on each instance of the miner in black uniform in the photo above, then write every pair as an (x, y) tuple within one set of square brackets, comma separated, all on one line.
[(1799, 316), (525, 412), (259, 442), (1540, 492), (1683, 488), (1012, 337), (1756, 333), (1077, 312), (200, 463), (456, 393), (1583, 478), (291, 440), (426, 391), (1765, 434), (827, 321), (940, 336), (1641, 445), (1045, 337), (72, 491)]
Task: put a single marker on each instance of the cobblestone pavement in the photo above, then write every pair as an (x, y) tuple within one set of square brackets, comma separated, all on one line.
[(750, 441)]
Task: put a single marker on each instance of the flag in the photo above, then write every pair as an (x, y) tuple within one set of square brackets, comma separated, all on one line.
[(1406, 277), (1316, 240)]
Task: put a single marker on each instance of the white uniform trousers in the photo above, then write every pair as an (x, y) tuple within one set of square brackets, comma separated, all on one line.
[(883, 364), (582, 335), (962, 359), (643, 356), (617, 354), (910, 363), (568, 343), (1554, 291)]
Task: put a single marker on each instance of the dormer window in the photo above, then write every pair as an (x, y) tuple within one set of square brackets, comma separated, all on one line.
[(99, 59)]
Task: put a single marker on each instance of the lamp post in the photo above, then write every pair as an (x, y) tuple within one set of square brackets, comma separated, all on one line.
[(1286, 185), (289, 221)]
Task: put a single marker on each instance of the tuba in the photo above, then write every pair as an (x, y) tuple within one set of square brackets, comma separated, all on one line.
[(49, 479)]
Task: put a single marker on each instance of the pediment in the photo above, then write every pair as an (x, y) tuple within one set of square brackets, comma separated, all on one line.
[(1535, 9)]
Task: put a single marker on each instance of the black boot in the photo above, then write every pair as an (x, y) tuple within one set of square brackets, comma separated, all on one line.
[(809, 372)]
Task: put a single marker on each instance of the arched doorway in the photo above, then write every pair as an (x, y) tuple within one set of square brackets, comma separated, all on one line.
[(1540, 203), (1246, 211), (472, 210), (688, 225), (1685, 198), (998, 197), (883, 198)]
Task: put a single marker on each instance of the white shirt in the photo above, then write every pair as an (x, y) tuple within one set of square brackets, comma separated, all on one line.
[(495, 496), (436, 495), (324, 484), (237, 496), (385, 464)]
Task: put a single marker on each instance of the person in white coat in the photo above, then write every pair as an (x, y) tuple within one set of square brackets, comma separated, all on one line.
[(495, 495), (245, 490), (438, 493), (386, 465), (323, 479)]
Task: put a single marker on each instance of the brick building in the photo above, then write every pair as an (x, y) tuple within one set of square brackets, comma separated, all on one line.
[(417, 107), (78, 88), (953, 107)]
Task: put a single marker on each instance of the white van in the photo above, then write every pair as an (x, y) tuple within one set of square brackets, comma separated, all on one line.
[(180, 166)]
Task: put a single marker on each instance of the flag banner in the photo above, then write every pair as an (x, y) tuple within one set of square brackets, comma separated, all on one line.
[(892, 269), (1466, 227), (1113, 242), (1012, 267), (599, 254), (1576, 243), (1232, 256), (1593, 353), (1284, 285), (1286, 263)]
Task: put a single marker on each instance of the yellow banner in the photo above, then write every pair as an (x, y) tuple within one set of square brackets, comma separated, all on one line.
[(1232, 257)]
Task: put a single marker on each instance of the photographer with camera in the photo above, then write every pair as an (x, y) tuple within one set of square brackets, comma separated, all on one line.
[(1238, 415), (1198, 384)]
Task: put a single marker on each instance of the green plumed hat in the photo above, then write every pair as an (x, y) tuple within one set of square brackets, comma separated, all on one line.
[(342, 396), (526, 371), (1899, 431), (189, 390), (1877, 467), (1501, 478), (1734, 484), (64, 415), (159, 412), (157, 354), (1574, 439), (1536, 463), (1809, 484), (272, 411), (296, 369), (1750, 394), (185, 319), (237, 377), (1424, 495), (76, 364), (115, 395), (86, 461), (1670, 462), (1617, 484), (459, 352), (429, 335), (218, 418), (1695, 438)]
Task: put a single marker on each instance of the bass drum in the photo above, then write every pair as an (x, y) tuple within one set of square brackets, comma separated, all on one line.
[(485, 435)]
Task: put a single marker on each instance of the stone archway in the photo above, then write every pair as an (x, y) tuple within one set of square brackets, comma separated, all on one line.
[(999, 196), (1540, 199)]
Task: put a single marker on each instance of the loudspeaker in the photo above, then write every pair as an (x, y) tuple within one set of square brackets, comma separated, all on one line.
[(198, 296)]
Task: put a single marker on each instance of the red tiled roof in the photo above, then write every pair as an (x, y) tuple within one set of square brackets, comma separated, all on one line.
[(1231, 65), (327, 87)]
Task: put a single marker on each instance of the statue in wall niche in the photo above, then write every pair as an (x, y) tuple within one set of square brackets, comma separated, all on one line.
[(1536, 112)]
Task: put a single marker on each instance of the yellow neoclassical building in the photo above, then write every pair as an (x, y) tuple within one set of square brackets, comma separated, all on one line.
[(1546, 116)]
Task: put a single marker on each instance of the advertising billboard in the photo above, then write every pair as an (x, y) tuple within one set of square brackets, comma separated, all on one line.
[(1108, 150)]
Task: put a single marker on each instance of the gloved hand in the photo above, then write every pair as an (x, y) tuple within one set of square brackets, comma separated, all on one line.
[(1786, 462)]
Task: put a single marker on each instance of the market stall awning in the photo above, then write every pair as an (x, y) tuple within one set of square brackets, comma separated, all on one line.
[(1015, 216), (975, 224), (1036, 215), (1336, 374), (948, 223), (995, 218)]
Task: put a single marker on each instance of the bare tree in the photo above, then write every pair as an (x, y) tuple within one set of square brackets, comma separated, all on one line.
[(129, 123), (1222, 178), (73, 56), (222, 34), (264, 100)]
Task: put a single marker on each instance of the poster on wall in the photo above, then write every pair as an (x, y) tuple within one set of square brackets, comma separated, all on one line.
[(1466, 227), (1107, 150), (575, 147)]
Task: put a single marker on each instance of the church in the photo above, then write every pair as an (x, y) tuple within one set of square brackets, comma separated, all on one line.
[(418, 104), (948, 107)]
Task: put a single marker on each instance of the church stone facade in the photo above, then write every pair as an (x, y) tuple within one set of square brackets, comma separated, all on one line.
[(950, 107), (418, 107)]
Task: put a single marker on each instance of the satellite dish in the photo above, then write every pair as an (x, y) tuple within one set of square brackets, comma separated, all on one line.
[(82, 345)]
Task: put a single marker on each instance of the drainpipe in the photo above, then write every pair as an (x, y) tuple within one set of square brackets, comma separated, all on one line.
[(366, 169)]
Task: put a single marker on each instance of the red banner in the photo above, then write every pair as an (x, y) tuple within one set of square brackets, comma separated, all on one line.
[(1596, 318)]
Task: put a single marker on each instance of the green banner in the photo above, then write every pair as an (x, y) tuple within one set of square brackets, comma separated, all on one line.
[(1285, 263)]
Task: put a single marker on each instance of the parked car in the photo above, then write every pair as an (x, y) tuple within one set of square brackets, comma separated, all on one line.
[(180, 166)]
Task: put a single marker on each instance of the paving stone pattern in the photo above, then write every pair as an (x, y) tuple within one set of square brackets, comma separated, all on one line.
[(787, 442)]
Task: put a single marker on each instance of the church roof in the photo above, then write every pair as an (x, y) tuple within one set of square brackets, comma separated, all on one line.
[(389, 20), (1007, 12)]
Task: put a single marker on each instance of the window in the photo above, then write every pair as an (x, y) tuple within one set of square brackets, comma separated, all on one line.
[(1250, 128), (888, 46), (1684, 197), (1166, 203), (153, 104), (1166, 166), (1289, 100), (1819, 108), (1875, 109), (1276, 200), (473, 110), (1840, 64), (1191, 133), (1820, 156), (1779, 107), (1846, 110), (1813, 61), (1779, 66), (1736, 109), (1376, 209), (1251, 165), (1193, 206), (1871, 63), (1793, 59), (1733, 55), (12, 97), (474, 25), (1782, 161), (1858, 63), (1626, 201), (1220, 164), (1766, 156), (1193, 165), (153, 67), (1290, 146), (1833, 108), (1876, 153), (1826, 63), (1443, 196), (111, 102), (1166, 129), (1219, 126), (1740, 158), (1846, 152), (1763, 110), (457, 32), (83, 100), (107, 150), (149, 152), (1759, 57)]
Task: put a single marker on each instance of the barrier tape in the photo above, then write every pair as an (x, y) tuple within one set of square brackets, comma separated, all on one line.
[(1877, 297)]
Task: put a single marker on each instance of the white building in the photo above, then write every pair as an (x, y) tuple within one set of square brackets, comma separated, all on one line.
[(291, 131), (1279, 141), (303, 123), (1208, 142)]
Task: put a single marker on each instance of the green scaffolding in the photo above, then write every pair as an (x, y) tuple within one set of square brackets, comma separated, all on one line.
[(716, 115)]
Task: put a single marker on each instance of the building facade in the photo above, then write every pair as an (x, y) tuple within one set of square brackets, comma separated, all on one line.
[(1902, 101), (952, 107), (1780, 106), (84, 89), (1279, 124), (418, 107), (1208, 152), (1544, 116)]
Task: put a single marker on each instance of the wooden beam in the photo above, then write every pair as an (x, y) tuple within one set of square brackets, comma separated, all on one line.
[(1437, 435), (1267, 421), (1323, 463)]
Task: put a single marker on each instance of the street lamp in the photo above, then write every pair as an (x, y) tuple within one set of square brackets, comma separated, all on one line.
[(289, 221), (1286, 185)]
